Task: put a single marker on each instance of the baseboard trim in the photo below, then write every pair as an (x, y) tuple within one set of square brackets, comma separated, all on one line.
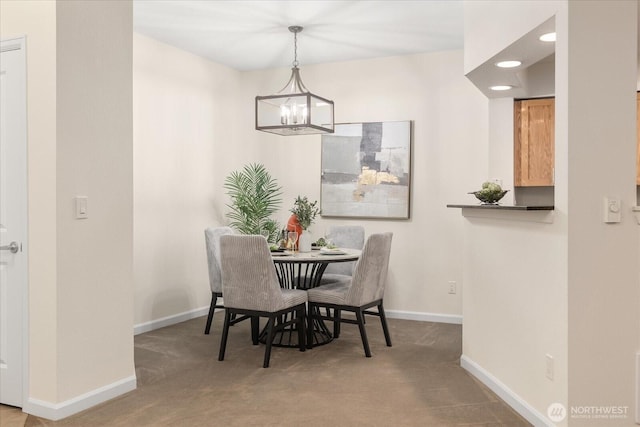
[(170, 320), (424, 317), (203, 311), (505, 393), (58, 411)]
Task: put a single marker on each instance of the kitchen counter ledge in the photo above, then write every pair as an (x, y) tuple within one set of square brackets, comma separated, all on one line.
[(542, 214), (505, 207)]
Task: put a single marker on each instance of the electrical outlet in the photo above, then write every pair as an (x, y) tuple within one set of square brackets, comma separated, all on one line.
[(549, 367), (452, 287)]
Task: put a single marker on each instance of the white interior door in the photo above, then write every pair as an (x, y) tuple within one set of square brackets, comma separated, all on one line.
[(13, 219)]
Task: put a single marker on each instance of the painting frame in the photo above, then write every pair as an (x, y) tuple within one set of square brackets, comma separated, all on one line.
[(366, 170)]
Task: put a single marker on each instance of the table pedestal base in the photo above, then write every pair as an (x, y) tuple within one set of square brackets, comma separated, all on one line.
[(289, 336), (304, 271)]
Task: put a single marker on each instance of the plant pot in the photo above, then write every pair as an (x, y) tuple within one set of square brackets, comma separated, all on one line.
[(304, 242)]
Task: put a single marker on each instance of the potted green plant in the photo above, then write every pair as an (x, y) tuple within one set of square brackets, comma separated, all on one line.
[(304, 213), (255, 196)]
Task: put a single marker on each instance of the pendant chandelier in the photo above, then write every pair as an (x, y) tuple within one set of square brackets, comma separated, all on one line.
[(294, 110)]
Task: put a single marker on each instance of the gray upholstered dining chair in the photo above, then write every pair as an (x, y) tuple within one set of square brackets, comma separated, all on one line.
[(251, 288), (363, 291), (343, 236), (212, 238)]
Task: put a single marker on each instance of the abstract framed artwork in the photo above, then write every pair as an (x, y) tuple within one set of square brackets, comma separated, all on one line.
[(366, 170)]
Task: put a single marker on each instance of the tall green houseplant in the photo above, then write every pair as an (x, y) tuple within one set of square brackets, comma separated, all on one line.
[(255, 196)]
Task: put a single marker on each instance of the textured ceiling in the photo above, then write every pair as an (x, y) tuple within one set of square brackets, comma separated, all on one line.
[(251, 35)]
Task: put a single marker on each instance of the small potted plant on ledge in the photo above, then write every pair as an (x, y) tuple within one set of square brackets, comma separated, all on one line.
[(304, 213)]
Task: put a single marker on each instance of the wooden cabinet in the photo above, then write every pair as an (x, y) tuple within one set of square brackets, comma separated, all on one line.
[(534, 126), (534, 121)]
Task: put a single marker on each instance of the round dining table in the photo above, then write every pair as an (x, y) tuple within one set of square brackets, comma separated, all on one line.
[(303, 270)]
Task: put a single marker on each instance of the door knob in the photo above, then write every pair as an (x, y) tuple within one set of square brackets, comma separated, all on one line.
[(13, 247)]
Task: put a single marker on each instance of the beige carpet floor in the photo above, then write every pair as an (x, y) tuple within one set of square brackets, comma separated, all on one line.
[(417, 382)]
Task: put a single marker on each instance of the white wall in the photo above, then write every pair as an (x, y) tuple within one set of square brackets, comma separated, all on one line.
[(568, 288), (178, 123), (603, 287), (515, 296), (37, 20), (515, 301), (94, 159), (184, 121), (79, 142)]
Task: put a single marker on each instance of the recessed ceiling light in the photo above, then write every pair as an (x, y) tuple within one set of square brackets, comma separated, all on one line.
[(508, 64), (549, 37), (501, 87)]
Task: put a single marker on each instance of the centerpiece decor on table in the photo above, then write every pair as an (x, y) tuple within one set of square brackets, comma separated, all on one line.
[(303, 214), (490, 194), (255, 197)]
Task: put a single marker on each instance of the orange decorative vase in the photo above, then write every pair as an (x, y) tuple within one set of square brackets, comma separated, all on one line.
[(294, 225)]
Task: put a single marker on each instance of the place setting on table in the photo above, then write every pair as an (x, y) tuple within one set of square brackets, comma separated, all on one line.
[(298, 269), (288, 246)]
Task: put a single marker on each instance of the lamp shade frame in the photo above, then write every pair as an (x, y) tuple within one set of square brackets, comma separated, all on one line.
[(308, 127)]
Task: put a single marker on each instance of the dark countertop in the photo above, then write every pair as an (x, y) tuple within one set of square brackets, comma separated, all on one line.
[(504, 207)]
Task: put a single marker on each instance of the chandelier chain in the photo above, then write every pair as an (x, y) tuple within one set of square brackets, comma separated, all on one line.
[(295, 49)]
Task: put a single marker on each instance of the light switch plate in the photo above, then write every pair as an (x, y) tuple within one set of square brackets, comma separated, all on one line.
[(82, 207)]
